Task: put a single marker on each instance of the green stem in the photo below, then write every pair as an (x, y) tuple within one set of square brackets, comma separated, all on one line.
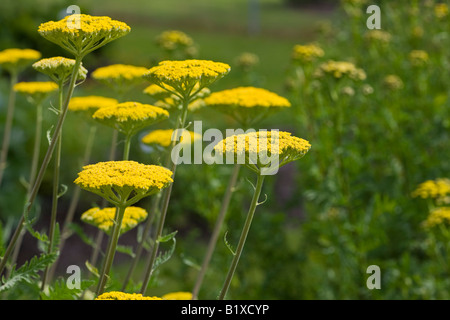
[(165, 205), (43, 168), (8, 124), (216, 230), (245, 230), (120, 212), (55, 195)]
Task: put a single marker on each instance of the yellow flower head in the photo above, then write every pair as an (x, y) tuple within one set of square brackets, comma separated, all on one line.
[(59, 69), (418, 58), (247, 60), (258, 148), (81, 33), (437, 216), (116, 181), (441, 10), (378, 36), (17, 59), (119, 76), (184, 75), (181, 295), (246, 104), (36, 91), (90, 104), (173, 40), (306, 53), (130, 117), (164, 138), (438, 188), (393, 82), (340, 69), (104, 218), (117, 295)]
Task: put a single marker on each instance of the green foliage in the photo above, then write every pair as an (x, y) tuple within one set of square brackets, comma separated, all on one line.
[(60, 291)]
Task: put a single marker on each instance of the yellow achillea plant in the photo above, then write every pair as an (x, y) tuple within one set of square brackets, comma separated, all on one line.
[(36, 90), (120, 77), (437, 217), (121, 183), (172, 39), (80, 33), (435, 189), (418, 58), (246, 105), (306, 53), (90, 104), (117, 295), (164, 137), (378, 36), (255, 148), (179, 295), (104, 218), (59, 69), (441, 10), (393, 82), (340, 69)]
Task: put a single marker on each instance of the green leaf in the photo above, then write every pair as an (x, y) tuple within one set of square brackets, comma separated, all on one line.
[(164, 257), (60, 290), (28, 272), (228, 244), (92, 269), (126, 249)]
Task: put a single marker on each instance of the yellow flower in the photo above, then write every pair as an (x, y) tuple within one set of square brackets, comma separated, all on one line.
[(393, 82), (441, 10), (164, 137), (80, 33), (104, 218), (340, 69), (90, 104), (378, 36), (247, 60), (173, 39), (437, 188), (181, 295), (130, 117), (117, 295), (437, 216), (116, 180), (119, 76), (59, 69), (256, 147), (418, 58), (184, 75), (36, 91), (246, 104), (16, 59), (306, 53)]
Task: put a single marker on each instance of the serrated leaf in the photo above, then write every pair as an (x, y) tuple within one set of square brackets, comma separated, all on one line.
[(28, 272), (126, 249), (163, 257), (92, 269), (167, 237)]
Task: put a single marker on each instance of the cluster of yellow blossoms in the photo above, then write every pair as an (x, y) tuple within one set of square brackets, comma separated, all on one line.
[(35, 88), (437, 188), (173, 39), (117, 295), (90, 103), (418, 58), (441, 10), (164, 137), (119, 74), (59, 69), (15, 59), (393, 82), (437, 216), (378, 36), (104, 218)]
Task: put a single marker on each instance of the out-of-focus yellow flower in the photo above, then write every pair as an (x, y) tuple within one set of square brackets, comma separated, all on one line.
[(339, 70), (174, 40), (441, 10), (117, 295), (379, 36), (80, 33), (104, 218), (181, 295), (393, 82), (14, 60), (437, 216), (247, 60), (306, 53), (164, 138), (59, 69), (35, 90), (90, 104), (437, 188), (184, 75), (418, 58), (119, 76)]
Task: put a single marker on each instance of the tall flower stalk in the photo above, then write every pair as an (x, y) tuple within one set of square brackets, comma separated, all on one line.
[(184, 79), (79, 34), (264, 153)]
